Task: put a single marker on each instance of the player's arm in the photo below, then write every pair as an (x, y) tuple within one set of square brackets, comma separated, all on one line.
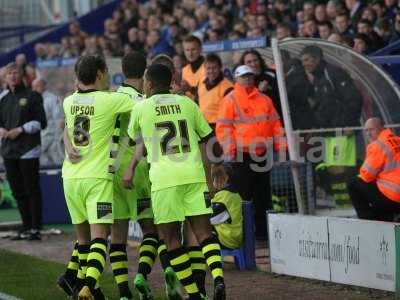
[(130, 171), (72, 153), (214, 175), (122, 103), (134, 132)]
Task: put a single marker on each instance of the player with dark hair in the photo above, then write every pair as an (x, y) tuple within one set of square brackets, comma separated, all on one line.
[(179, 179), (88, 169)]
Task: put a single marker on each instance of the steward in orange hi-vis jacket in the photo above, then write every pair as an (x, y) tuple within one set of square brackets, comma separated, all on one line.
[(376, 193), (247, 127)]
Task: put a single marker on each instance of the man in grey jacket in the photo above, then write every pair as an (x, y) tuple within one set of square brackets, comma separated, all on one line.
[(52, 148)]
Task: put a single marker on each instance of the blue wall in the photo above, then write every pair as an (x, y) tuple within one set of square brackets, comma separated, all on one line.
[(92, 23)]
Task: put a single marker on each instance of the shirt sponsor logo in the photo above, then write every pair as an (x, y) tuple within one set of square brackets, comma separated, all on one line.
[(79, 100), (104, 210)]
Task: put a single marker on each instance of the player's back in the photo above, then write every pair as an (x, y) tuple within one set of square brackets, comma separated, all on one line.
[(90, 119), (171, 126)]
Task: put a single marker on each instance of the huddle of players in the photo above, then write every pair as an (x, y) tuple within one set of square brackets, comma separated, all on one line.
[(98, 180)]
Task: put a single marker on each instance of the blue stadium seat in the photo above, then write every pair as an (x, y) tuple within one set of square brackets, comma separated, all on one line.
[(245, 256)]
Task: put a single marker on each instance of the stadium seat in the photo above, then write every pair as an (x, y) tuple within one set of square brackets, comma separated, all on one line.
[(245, 255)]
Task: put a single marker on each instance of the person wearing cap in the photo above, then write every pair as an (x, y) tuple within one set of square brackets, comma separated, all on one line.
[(247, 128)]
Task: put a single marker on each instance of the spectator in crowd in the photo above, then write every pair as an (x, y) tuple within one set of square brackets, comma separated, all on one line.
[(325, 29), (335, 101), (21, 118), (298, 89), (375, 192), (396, 29), (21, 61), (213, 89), (311, 28), (364, 26), (343, 25), (134, 41), (362, 44), (76, 32), (336, 38), (283, 31), (369, 14), (320, 13), (355, 7), (265, 78), (227, 217), (194, 72), (384, 30), (247, 123), (157, 45), (51, 136)]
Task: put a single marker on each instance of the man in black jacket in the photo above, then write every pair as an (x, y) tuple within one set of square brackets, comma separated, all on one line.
[(21, 118), (334, 99)]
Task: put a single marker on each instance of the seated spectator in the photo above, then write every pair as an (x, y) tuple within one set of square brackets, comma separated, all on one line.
[(396, 32), (91, 46), (283, 31), (320, 13), (369, 14), (384, 30), (375, 192), (157, 45), (362, 44), (325, 29), (311, 28), (335, 100), (343, 25), (364, 26), (213, 89), (76, 32), (133, 40), (227, 217), (355, 7), (65, 50), (40, 51)]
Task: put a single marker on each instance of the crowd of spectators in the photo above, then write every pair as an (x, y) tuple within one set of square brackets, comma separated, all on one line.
[(158, 26)]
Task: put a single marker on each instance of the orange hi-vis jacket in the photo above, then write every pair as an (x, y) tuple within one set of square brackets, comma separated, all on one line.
[(249, 123), (382, 163), (193, 78), (210, 100)]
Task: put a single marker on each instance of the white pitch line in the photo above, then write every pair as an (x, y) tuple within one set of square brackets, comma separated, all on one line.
[(7, 297)]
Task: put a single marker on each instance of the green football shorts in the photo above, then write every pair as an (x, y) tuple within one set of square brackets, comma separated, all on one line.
[(127, 201), (89, 199), (124, 200), (176, 203)]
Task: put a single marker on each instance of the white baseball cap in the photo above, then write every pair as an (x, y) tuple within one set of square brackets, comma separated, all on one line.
[(243, 70)]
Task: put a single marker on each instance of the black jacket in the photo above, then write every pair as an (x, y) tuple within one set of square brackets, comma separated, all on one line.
[(16, 109), (272, 91), (336, 101)]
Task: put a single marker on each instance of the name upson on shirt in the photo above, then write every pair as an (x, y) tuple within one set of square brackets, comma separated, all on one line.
[(168, 109), (82, 110)]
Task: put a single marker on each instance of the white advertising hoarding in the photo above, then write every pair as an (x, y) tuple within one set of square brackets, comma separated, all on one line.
[(348, 251), (299, 245), (362, 253)]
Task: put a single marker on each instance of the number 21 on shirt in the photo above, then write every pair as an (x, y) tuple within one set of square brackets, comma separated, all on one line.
[(171, 132)]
